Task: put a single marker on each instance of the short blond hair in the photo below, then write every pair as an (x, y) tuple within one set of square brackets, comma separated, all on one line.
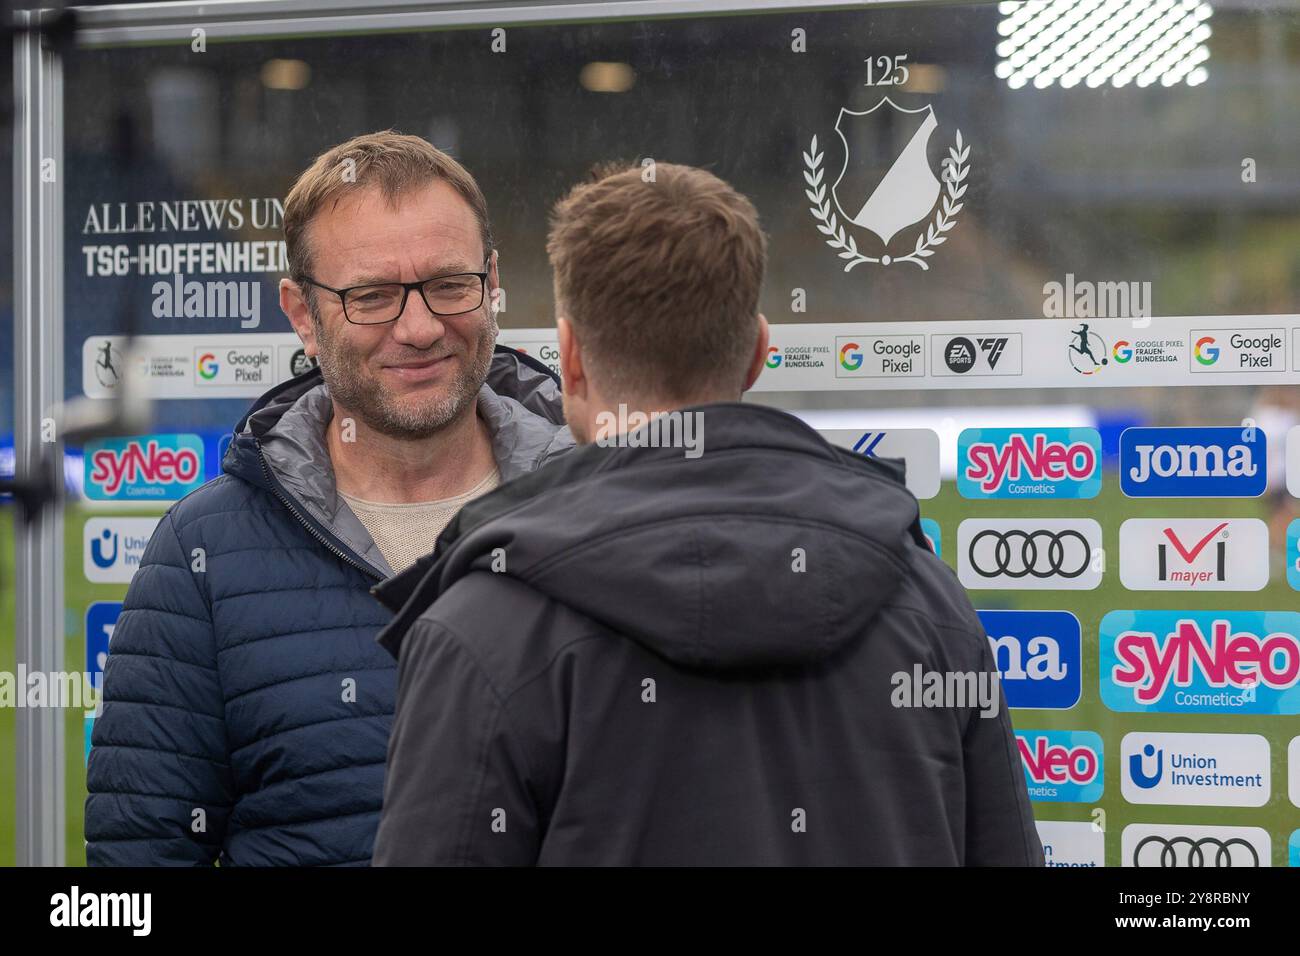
[(394, 162), (660, 277)]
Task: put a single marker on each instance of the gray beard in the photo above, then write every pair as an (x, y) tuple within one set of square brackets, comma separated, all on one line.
[(376, 405)]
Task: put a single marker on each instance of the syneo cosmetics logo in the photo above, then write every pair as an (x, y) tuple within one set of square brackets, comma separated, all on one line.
[(1293, 554), (933, 535), (1200, 770), (1029, 463), (1039, 657), (151, 467), (1062, 765), (1201, 662), (1224, 462)]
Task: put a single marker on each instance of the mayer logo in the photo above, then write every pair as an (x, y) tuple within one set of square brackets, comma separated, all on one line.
[(1029, 463), (1227, 462), (1201, 662), (1196, 770), (1039, 657), (153, 467), (1062, 765), (1193, 554)]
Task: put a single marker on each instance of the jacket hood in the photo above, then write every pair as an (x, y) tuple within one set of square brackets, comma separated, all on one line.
[(771, 547), (279, 444)]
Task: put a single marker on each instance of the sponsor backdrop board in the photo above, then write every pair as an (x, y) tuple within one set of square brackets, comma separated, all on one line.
[(1138, 587)]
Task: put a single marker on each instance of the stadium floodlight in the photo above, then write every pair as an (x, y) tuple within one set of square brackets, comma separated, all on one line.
[(1096, 42)]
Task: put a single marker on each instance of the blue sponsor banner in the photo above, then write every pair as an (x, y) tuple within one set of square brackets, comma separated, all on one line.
[(1293, 849), (934, 534), (1039, 657), (143, 468), (1293, 554), (101, 618), (1062, 766), (1029, 463), (1220, 462), (1201, 662)]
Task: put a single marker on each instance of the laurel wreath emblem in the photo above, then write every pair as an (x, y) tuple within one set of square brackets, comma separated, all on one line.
[(944, 218)]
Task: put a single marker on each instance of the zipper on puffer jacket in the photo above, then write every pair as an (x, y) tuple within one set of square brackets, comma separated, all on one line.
[(307, 523)]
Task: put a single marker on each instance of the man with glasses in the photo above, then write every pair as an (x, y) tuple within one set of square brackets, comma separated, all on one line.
[(247, 705)]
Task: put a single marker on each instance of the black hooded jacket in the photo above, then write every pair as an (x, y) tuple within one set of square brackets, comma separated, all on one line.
[(631, 656)]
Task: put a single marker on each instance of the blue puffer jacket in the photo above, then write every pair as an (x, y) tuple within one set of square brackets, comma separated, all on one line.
[(246, 704)]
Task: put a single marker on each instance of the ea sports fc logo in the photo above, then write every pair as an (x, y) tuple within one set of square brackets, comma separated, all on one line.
[(1207, 353), (850, 356), (1122, 351), (208, 366), (773, 357)]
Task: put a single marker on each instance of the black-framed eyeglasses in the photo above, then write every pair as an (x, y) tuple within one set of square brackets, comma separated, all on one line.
[(380, 302)]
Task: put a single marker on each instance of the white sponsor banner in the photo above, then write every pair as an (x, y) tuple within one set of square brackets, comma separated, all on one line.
[(1193, 554), (974, 354), (1062, 554), (1071, 843), (918, 447), (1179, 845), (1237, 350), (1038, 353), (1293, 770), (540, 344), (1201, 770), (879, 356), (230, 365), (112, 547), (1293, 461)]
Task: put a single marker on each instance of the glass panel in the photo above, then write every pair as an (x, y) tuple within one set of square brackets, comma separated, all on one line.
[(1072, 240)]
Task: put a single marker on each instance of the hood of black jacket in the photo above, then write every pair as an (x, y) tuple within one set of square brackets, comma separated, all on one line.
[(772, 547)]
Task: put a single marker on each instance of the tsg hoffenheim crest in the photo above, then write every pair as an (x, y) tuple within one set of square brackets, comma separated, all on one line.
[(886, 202)]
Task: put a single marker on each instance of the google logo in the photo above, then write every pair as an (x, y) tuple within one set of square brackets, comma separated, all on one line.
[(1122, 351), (1207, 353), (773, 357), (208, 366), (850, 357)]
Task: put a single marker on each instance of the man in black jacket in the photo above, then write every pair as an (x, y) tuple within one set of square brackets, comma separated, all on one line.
[(703, 640)]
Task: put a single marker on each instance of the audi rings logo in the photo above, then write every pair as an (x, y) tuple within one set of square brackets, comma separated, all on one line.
[(1184, 851), (1178, 845), (1043, 554), (1058, 554)]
